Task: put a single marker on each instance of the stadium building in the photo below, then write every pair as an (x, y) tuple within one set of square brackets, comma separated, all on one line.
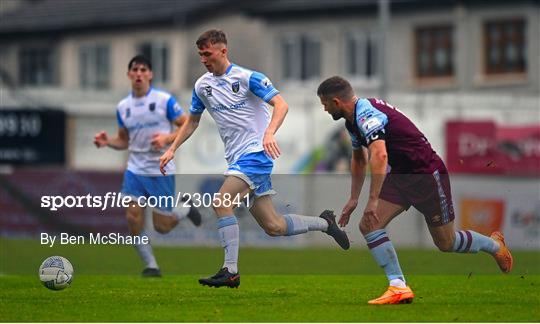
[(437, 61)]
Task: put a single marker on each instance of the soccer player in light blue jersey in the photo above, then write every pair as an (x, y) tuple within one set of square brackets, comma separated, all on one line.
[(145, 127), (237, 99)]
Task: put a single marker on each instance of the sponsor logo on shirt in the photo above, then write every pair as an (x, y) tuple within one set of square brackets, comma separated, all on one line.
[(221, 107), (266, 82), (371, 125), (139, 126)]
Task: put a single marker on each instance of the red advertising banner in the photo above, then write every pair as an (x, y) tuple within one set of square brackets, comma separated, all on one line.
[(487, 148), (519, 148)]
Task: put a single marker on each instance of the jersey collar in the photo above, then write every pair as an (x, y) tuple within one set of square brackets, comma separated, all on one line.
[(147, 93), (229, 68)]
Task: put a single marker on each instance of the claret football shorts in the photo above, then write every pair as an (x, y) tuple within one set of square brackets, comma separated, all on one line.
[(429, 193)]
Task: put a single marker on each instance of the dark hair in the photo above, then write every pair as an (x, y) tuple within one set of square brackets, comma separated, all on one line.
[(212, 36), (335, 86), (140, 59)]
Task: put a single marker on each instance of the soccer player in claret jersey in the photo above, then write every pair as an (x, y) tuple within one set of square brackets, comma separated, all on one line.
[(145, 123), (417, 177), (236, 98)]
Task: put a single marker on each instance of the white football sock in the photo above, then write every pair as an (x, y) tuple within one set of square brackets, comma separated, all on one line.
[(146, 253), (398, 283), (229, 234), (298, 224), (180, 212)]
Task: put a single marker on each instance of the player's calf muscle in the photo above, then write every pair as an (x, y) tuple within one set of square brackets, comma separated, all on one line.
[(274, 228), (162, 228), (444, 246), (164, 224)]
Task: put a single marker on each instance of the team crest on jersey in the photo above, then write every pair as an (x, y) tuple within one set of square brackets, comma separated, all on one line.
[(152, 106), (208, 91), (236, 86)]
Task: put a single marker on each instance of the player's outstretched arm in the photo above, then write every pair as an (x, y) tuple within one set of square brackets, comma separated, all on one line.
[(120, 142), (358, 171), (280, 111), (378, 163), (182, 135)]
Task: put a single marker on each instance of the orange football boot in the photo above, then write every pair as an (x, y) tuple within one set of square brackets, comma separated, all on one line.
[(503, 256), (394, 295)]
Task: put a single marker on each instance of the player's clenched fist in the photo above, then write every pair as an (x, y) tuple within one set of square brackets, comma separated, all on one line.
[(159, 141), (101, 139)]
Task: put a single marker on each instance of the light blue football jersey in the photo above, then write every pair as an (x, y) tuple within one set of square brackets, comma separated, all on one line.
[(237, 102), (143, 117)]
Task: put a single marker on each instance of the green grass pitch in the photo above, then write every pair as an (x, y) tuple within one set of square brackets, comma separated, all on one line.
[(278, 285)]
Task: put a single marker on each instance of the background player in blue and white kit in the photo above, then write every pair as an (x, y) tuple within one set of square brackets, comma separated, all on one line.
[(236, 98), (417, 177), (145, 127)]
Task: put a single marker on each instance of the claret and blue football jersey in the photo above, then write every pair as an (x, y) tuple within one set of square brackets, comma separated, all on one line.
[(408, 149)]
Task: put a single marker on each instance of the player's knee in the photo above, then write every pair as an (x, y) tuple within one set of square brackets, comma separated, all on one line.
[(365, 227)]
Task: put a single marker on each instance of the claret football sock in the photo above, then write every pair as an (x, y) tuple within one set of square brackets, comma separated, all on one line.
[(146, 253), (298, 224), (229, 235), (384, 253), (472, 242)]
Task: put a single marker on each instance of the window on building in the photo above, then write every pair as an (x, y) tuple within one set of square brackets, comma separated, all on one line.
[(158, 54), (434, 51), (94, 66), (301, 58), (290, 58), (360, 54), (37, 67), (505, 46)]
